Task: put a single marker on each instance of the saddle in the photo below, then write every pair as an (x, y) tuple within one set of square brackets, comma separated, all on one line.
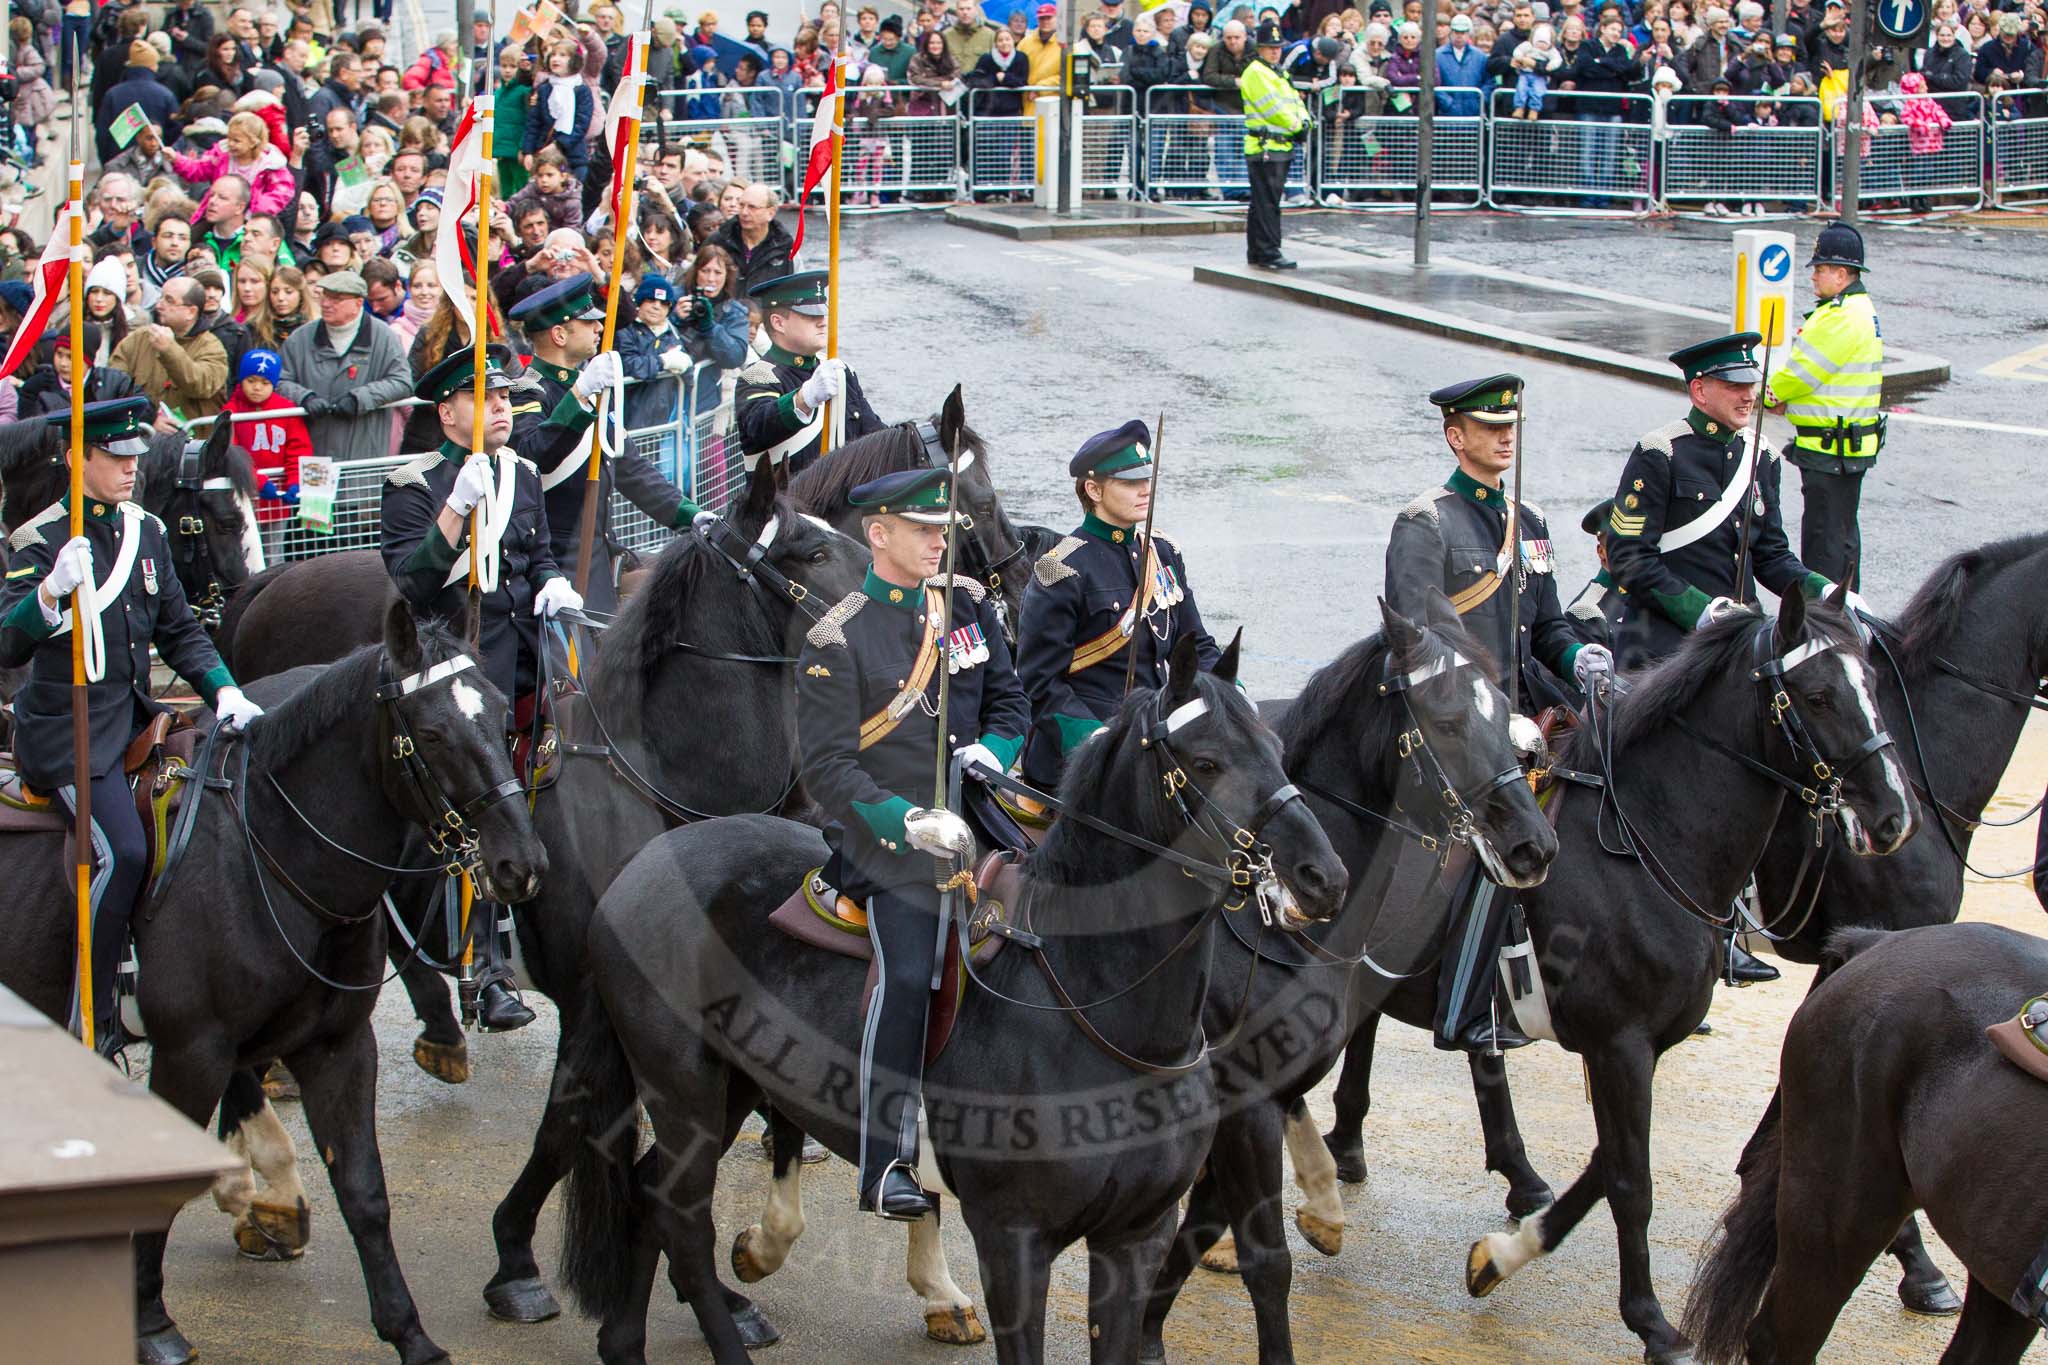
[(818, 915), (155, 763), (2023, 1039)]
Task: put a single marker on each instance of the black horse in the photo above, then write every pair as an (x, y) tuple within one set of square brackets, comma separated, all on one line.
[(994, 551), (1403, 729), (706, 1012), (1696, 761), (242, 963), (308, 611), (1891, 1100), (1957, 676), (687, 714)]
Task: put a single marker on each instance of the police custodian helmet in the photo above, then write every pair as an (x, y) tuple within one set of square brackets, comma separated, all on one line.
[(1838, 244)]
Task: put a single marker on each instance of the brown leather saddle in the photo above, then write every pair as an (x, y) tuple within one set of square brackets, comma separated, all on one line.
[(153, 762), (818, 915), (2023, 1039)]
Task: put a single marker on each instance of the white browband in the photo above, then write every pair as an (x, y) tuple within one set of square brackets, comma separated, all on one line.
[(217, 485), (447, 668), (1185, 712), (1804, 652), (768, 531), (1435, 668)]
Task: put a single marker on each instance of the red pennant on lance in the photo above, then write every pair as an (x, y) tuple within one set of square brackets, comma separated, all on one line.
[(824, 123), (624, 110), (47, 285)]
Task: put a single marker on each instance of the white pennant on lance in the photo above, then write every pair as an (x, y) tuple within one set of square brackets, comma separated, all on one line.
[(47, 284), (451, 252)]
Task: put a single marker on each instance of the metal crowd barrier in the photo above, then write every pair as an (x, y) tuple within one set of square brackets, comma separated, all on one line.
[(1109, 141), (1379, 153), (904, 153), (1195, 153), (1002, 149), (752, 125), (1947, 166), (1591, 148), (2019, 147), (1751, 164)]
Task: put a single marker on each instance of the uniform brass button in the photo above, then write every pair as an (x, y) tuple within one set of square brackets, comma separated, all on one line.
[(1117, 536), (899, 682)]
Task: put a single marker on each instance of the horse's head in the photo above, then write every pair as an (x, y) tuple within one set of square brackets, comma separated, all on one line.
[(1224, 768), (205, 494), (803, 549), (992, 549), (445, 763), (1457, 756), (1821, 698)]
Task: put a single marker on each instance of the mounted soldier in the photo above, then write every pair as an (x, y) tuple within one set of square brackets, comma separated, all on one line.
[(1691, 493), (139, 604), (1491, 555), (425, 541), (780, 402), (868, 732), (1098, 593), (1595, 613), (562, 323)]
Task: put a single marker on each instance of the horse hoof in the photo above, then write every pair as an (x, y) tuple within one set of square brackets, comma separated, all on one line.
[(445, 1062), (745, 1263), (1350, 1158), (814, 1151), (165, 1347), (1522, 1203), (279, 1083), (290, 1226), (524, 1300), (756, 1331), (1322, 1234), (1482, 1276), (1222, 1257), (955, 1326), (1681, 1354), (1152, 1353), (1934, 1298)]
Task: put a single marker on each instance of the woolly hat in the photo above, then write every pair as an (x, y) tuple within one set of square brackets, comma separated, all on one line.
[(260, 363), (109, 275), (141, 53)]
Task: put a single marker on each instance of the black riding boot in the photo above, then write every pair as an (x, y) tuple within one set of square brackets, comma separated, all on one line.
[(1468, 976), (498, 1008), (903, 925), (1740, 967)]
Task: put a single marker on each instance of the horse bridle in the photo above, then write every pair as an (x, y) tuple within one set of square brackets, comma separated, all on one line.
[(191, 551), (986, 564), (451, 828)]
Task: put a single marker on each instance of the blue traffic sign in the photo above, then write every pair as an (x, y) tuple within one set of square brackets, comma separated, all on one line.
[(1901, 18), (1774, 263)]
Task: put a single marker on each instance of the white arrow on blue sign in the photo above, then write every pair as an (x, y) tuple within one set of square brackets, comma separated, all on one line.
[(1774, 264)]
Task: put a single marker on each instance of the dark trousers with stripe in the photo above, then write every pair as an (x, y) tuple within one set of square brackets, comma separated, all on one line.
[(1829, 541), (903, 926), (1465, 978), (120, 858)]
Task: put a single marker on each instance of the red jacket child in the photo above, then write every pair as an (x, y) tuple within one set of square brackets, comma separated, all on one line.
[(275, 444)]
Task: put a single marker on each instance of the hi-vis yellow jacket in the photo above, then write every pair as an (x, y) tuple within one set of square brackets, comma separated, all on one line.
[(1829, 388), (1273, 111)]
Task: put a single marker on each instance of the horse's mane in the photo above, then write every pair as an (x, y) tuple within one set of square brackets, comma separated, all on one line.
[(823, 488), (341, 691), (651, 621), (1929, 622), (159, 466), (1334, 692), (1659, 693)]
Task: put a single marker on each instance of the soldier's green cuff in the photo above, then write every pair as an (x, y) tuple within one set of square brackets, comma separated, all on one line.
[(433, 554), (1813, 585), (1685, 608), (571, 414), (212, 681), (885, 819), (27, 617), (687, 513), (1074, 729), (1571, 655), (786, 406), (1005, 749)]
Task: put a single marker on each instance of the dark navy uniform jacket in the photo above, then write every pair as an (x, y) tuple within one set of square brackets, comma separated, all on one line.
[(433, 575), (854, 663), (1675, 475), (1595, 614), (559, 446), (1450, 539), (150, 609), (765, 408), (1079, 591)]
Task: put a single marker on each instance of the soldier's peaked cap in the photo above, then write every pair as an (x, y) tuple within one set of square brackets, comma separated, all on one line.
[(1495, 399), (457, 370), (1125, 453), (119, 426), (1731, 357), (571, 300), (804, 292), (916, 494), (1595, 521)]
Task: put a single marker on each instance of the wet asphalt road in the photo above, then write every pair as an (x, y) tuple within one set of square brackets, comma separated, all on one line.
[(1293, 439)]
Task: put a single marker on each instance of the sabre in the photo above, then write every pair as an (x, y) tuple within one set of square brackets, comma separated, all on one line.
[(1149, 561), (1515, 564), (1771, 317), (81, 712)]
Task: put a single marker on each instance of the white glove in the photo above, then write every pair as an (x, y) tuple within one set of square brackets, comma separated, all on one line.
[(939, 833), (235, 710), (1720, 609), (554, 595), (1853, 603), (73, 566), (979, 756), (472, 485), (1590, 663), (676, 361), (827, 382), (600, 372)]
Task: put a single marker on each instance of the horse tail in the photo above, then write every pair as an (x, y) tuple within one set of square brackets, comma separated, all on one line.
[(599, 1208), (238, 606), (1736, 1268), (1844, 944)]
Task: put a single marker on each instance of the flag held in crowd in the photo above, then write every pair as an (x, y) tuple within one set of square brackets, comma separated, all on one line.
[(824, 124)]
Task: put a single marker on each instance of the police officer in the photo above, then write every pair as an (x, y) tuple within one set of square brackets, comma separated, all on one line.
[(562, 323), (1595, 614), (426, 545), (867, 730), (1831, 387), (780, 402), (1471, 540), (1097, 593), (1275, 121), (139, 604)]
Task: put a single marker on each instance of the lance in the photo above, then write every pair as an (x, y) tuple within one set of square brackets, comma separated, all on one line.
[(1515, 565), (625, 158), (1146, 561), (81, 710), (834, 424), (1771, 320), (942, 759)]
